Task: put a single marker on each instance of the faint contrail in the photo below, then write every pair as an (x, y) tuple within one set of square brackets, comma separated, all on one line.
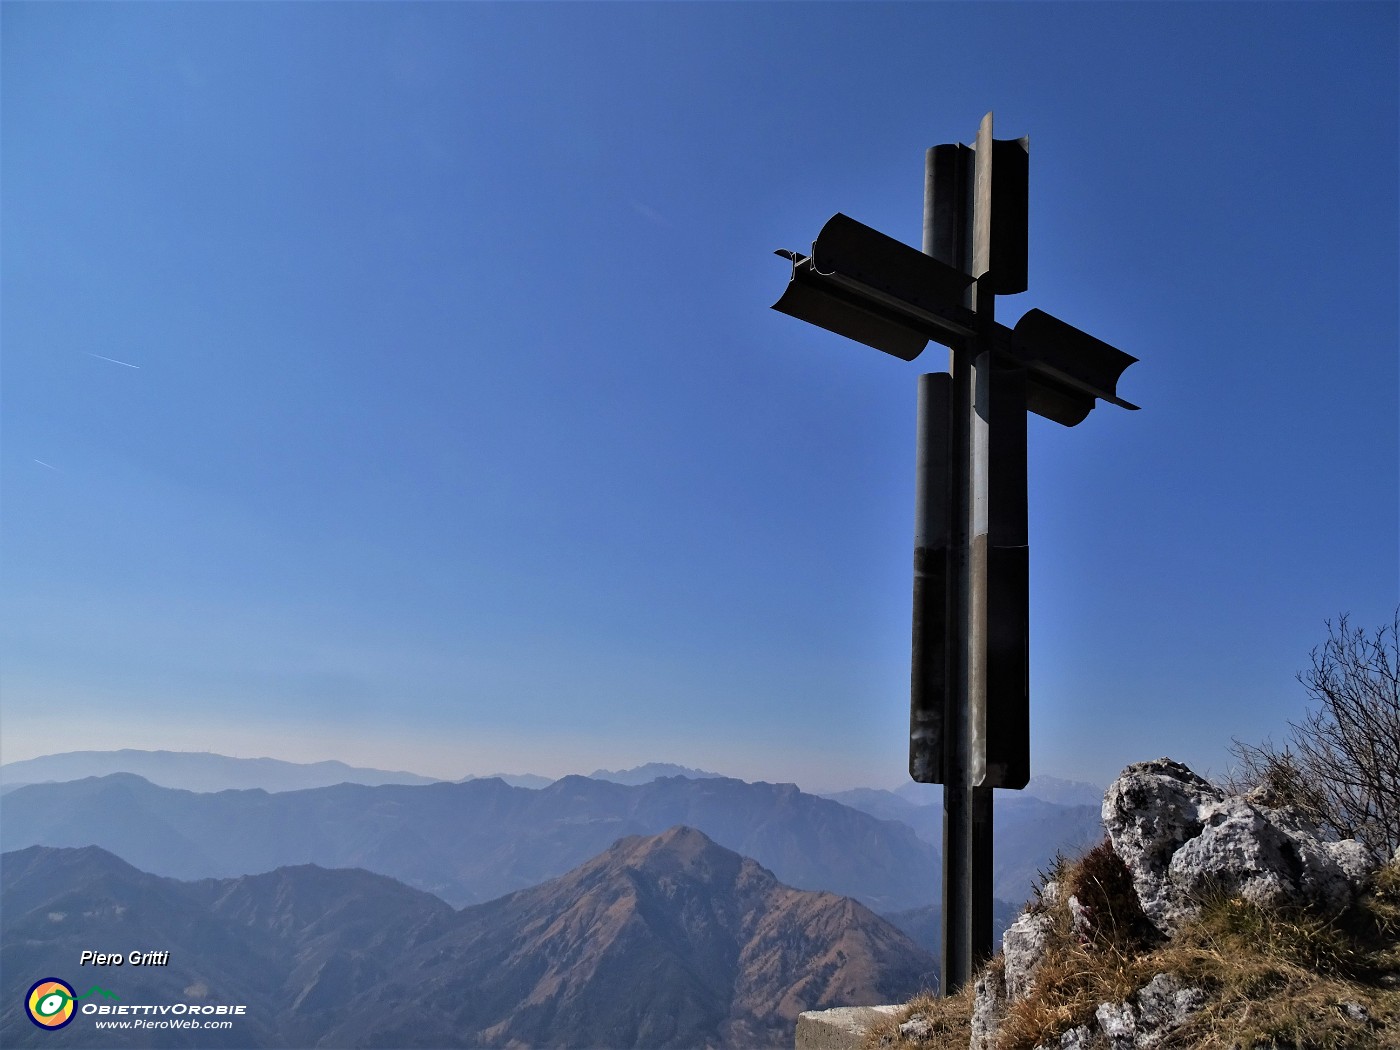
[(652, 214), (112, 359), (49, 465)]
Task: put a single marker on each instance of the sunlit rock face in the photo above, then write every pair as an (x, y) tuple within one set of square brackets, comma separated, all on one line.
[(1180, 837)]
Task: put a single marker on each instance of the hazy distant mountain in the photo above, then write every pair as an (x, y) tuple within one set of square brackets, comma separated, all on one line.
[(1027, 831), (645, 774), (924, 926), (663, 941), (199, 771), (889, 805), (1048, 789), (472, 842), (515, 780), (1066, 792)]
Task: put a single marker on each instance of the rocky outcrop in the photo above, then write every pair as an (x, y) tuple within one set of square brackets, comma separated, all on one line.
[(1023, 944), (1022, 948), (1180, 837), (988, 1008)]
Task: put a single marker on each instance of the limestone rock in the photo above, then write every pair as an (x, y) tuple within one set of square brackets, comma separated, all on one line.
[(1144, 1022), (1180, 836), (1022, 946), (988, 1008), (916, 1028), (1081, 1038), (1164, 1004), (1118, 1022), (1354, 1011), (1081, 922)]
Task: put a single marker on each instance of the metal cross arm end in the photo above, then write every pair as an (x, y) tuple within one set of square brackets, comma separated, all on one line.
[(1066, 369), (876, 290)]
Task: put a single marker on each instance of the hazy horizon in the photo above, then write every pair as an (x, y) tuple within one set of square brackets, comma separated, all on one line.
[(398, 383), (460, 776), (481, 774)]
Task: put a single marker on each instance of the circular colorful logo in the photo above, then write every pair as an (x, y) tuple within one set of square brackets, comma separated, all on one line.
[(50, 1003)]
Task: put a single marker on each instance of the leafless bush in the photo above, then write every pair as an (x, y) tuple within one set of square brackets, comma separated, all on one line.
[(1341, 765)]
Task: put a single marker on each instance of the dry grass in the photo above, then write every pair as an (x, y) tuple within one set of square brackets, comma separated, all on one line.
[(950, 1022), (1273, 978)]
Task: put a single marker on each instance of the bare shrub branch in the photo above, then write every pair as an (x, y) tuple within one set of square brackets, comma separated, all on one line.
[(1341, 764)]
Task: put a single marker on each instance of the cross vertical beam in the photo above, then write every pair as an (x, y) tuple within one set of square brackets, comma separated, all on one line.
[(969, 672)]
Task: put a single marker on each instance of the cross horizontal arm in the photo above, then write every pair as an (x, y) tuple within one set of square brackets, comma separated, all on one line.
[(1066, 368)]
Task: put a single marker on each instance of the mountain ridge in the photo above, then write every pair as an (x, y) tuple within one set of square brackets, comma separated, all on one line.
[(1028, 830), (74, 765), (471, 842), (199, 770)]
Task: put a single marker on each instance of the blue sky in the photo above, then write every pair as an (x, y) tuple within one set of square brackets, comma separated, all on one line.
[(460, 437)]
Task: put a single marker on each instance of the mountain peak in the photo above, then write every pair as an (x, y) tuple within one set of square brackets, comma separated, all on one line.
[(679, 850), (682, 836), (519, 780), (722, 953), (645, 774)]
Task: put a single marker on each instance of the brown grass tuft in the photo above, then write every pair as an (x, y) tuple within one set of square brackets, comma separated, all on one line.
[(1102, 885)]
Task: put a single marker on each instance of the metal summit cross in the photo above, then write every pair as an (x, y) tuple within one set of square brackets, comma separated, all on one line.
[(969, 727)]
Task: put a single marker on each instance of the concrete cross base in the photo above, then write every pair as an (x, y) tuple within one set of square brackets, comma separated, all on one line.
[(844, 1028)]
